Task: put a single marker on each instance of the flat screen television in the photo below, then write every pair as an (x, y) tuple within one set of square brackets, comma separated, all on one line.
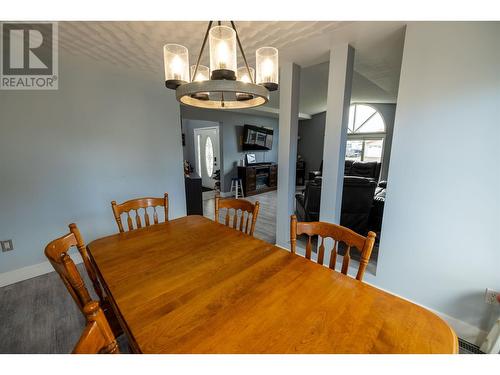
[(257, 138)]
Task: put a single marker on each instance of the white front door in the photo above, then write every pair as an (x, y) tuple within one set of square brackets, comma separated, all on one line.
[(206, 148)]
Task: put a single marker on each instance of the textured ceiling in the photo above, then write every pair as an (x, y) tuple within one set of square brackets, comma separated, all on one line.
[(139, 46)]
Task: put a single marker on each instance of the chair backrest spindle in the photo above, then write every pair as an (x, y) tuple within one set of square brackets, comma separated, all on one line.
[(339, 234), (238, 205), (136, 205)]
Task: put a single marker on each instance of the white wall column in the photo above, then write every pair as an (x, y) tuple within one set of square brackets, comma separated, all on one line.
[(287, 149), (337, 113)]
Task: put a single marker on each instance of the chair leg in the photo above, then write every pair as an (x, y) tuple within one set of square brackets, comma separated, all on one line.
[(241, 187), (236, 193), (232, 187)]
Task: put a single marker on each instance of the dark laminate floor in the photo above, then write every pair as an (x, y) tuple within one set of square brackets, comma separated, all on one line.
[(38, 316)]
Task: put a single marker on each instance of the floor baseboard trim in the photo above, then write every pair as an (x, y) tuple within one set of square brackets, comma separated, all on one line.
[(29, 272), (25, 273)]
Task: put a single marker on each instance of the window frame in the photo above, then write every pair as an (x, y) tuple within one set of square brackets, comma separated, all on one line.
[(368, 136)]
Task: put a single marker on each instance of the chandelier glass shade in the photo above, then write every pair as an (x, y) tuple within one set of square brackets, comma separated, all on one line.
[(222, 85), (222, 41), (176, 65)]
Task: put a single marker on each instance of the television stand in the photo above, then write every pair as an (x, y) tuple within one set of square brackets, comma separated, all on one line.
[(258, 178)]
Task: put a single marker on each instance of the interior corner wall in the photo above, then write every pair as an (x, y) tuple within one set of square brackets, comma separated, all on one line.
[(311, 141), (106, 134), (439, 244), (230, 133)]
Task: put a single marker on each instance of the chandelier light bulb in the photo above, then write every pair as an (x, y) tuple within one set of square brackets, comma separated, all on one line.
[(176, 67), (222, 55), (267, 70)]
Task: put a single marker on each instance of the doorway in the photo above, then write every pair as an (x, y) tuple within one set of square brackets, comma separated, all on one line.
[(207, 155)]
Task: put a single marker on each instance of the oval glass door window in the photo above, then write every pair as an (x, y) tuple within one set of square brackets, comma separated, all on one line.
[(209, 156)]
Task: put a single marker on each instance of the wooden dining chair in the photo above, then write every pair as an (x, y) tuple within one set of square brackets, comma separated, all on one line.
[(97, 337), (57, 253), (338, 234), (241, 205), (136, 205)]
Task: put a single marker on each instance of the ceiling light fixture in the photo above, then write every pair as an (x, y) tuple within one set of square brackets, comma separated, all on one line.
[(223, 85)]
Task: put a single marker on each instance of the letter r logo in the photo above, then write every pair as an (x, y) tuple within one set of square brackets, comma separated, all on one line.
[(27, 49)]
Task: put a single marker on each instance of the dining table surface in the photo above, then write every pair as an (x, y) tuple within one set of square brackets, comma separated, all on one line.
[(191, 285)]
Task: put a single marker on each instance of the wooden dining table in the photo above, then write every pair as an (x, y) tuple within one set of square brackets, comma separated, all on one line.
[(191, 285)]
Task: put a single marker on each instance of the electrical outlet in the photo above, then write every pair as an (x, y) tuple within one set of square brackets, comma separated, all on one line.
[(6, 245), (490, 296)]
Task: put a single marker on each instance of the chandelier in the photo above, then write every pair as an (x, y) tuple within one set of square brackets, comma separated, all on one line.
[(223, 85)]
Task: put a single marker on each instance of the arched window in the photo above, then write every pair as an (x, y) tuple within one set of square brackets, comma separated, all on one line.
[(365, 134)]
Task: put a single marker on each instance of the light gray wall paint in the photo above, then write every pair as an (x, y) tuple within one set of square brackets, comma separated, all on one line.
[(337, 114), (289, 125), (312, 137), (439, 244), (230, 131), (107, 133), (312, 134)]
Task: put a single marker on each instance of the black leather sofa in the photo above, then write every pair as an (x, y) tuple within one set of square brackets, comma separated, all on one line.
[(368, 169), (357, 201)]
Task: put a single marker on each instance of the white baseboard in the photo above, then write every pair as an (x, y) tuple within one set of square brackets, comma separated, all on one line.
[(463, 330), (25, 273), (28, 272)]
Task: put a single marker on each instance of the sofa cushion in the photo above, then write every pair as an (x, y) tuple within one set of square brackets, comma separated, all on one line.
[(368, 169), (347, 167)]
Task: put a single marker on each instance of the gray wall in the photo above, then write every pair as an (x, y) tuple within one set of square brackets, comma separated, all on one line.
[(439, 243), (312, 132), (106, 134), (310, 144), (230, 131)]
